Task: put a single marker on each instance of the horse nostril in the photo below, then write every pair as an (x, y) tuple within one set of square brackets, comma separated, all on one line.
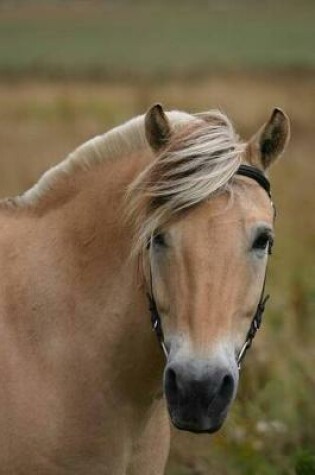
[(227, 386), (171, 381)]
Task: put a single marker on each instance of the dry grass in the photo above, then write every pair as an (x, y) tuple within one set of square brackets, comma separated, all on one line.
[(271, 428)]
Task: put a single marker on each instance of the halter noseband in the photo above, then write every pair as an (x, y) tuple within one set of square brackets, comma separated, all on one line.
[(255, 174)]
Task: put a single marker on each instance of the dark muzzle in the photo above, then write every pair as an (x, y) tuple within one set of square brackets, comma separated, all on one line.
[(198, 397)]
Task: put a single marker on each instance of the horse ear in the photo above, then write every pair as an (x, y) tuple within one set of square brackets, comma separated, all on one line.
[(157, 127), (270, 141)]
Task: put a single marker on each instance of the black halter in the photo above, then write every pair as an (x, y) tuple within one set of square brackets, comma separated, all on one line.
[(259, 177)]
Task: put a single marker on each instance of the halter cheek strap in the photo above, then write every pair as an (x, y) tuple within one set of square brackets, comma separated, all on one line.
[(256, 175), (254, 326), (259, 177), (156, 321)]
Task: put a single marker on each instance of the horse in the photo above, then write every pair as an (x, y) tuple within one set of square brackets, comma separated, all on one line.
[(155, 215)]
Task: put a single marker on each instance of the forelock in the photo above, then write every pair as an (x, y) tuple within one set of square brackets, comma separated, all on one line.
[(199, 161)]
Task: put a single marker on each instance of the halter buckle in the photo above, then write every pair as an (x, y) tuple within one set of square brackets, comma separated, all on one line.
[(242, 353)]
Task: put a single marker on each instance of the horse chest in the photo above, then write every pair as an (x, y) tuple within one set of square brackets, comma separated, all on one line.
[(62, 424)]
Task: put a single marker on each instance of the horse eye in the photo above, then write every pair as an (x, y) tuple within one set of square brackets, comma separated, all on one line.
[(262, 241), (159, 240)]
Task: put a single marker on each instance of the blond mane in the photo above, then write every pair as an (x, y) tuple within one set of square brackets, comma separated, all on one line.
[(117, 142), (202, 155)]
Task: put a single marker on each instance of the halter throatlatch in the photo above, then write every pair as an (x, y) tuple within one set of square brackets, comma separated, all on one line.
[(257, 175)]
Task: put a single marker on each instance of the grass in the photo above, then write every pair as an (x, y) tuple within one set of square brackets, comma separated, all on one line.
[(154, 38), (270, 430)]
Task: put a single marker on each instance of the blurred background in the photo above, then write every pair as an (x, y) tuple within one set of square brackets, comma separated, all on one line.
[(72, 69)]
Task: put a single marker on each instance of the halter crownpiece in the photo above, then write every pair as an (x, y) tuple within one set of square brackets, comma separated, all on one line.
[(258, 176), (255, 174)]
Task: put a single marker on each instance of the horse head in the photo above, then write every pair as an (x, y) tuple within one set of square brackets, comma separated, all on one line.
[(206, 232)]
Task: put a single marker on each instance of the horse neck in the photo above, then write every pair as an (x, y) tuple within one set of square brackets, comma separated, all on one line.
[(92, 241)]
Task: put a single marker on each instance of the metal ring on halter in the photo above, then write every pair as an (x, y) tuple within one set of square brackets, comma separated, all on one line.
[(242, 353), (164, 349)]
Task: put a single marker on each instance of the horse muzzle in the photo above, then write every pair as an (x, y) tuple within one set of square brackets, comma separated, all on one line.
[(198, 395)]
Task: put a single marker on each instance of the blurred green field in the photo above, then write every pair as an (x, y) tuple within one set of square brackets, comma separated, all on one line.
[(118, 38)]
